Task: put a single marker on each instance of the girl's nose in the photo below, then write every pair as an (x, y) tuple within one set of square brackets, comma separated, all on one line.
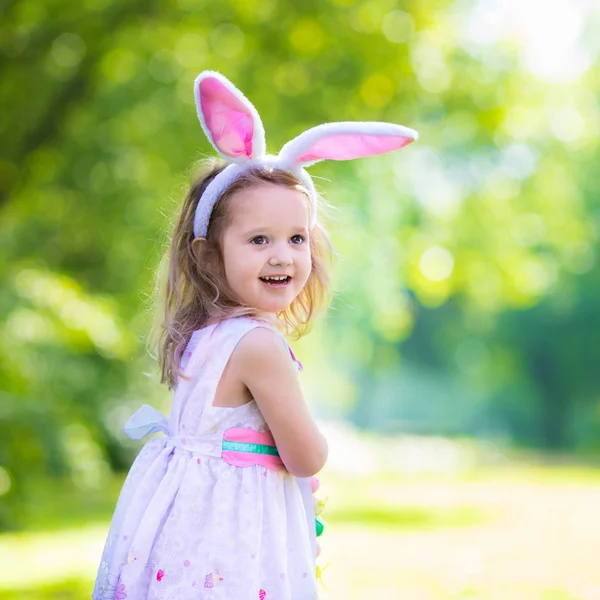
[(281, 257), (280, 261)]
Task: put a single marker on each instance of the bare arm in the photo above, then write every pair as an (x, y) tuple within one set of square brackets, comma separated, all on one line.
[(262, 363)]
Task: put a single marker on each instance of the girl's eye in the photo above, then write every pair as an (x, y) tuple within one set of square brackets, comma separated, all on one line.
[(259, 240), (297, 239)]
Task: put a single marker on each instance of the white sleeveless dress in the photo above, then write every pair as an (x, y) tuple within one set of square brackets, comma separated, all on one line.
[(188, 524)]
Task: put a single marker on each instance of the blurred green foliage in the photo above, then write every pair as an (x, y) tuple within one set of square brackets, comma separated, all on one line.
[(468, 276)]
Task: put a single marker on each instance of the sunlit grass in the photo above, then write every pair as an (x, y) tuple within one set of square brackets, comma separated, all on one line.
[(382, 517), (64, 590), (32, 560), (516, 531)]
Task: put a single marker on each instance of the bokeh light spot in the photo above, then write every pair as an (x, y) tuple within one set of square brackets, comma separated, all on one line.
[(567, 124), (227, 40), (291, 78), (377, 90), (191, 50), (5, 482), (68, 50), (398, 26), (528, 229), (307, 36), (437, 263)]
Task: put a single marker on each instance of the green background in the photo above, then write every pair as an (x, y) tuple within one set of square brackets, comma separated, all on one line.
[(467, 275)]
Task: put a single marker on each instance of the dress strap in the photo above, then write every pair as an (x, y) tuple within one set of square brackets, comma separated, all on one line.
[(296, 362)]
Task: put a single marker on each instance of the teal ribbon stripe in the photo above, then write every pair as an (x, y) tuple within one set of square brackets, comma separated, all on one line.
[(253, 448)]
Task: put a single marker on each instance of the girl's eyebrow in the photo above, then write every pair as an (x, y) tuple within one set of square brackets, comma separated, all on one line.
[(254, 231), (263, 230)]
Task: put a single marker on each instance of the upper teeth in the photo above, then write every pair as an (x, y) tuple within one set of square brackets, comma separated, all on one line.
[(280, 278)]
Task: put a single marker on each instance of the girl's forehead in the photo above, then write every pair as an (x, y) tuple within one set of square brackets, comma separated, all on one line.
[(269, 203)]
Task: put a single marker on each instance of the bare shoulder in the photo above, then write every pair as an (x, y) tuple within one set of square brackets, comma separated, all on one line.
[(261, 344), (262, 357)]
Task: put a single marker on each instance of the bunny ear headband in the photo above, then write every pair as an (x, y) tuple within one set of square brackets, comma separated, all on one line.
[(234, 128)]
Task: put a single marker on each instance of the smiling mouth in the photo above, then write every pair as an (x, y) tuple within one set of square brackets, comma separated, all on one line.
[(276, 282)]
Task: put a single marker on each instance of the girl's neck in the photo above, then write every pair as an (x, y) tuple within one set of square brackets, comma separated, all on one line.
[(269, 318)]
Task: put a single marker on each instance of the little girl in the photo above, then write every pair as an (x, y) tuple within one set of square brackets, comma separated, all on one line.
[(221, 508)]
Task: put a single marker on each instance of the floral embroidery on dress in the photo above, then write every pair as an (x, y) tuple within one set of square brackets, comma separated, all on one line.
[(113, 591), (212, 579)]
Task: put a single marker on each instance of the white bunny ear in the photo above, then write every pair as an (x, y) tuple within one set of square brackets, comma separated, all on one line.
[(344, 141), (228, 118)]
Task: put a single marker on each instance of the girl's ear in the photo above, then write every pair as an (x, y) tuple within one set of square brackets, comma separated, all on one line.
[(229, 120), (345, 141), (198, 247)]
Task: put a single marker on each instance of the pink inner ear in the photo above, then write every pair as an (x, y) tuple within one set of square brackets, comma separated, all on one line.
[(228, 120), (346, 146)]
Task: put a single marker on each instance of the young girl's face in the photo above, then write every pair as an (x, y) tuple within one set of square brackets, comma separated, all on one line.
[(266, 249)]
